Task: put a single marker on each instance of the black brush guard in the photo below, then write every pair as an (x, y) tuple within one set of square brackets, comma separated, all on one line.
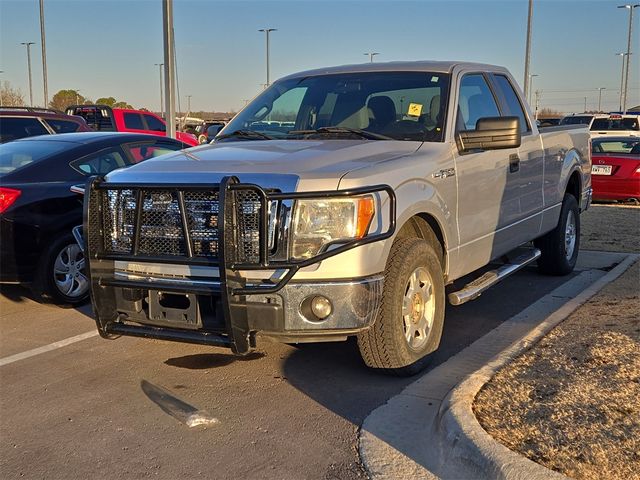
[(231, 287)]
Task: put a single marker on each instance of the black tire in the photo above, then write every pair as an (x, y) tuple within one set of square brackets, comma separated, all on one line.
[(559, 254), (384, 346), (46, 286)]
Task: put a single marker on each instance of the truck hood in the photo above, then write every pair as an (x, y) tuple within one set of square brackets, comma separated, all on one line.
[(285, 164)]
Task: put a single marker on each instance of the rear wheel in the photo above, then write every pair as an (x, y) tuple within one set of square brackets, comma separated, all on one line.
[(561, 245), (409, 325), (61, 276)]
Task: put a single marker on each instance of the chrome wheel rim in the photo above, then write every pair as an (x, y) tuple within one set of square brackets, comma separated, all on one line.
[(68, 272), (570, 236), (418, 308)]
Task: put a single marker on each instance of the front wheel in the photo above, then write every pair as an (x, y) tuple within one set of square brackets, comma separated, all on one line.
[(561, 245), (409, 325), (61, 276)]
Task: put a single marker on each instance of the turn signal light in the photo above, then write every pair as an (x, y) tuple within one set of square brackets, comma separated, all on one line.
[(366, 209), (7, 197)]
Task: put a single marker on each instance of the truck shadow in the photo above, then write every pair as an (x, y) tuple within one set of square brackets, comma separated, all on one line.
[(335, 376), (203, 361)]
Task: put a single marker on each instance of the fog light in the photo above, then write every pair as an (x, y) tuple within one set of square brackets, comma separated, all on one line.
[(321, 307)]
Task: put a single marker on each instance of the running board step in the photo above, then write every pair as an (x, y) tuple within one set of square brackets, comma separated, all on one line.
[(474, 289)]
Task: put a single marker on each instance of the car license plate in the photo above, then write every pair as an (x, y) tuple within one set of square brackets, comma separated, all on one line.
[(601, 170)]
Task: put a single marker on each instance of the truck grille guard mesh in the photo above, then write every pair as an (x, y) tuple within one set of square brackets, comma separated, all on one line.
[(224, 225)]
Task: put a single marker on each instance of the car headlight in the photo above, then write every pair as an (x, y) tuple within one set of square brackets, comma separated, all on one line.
[(319, 222)]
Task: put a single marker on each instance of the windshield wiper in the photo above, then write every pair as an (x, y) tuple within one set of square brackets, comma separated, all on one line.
[(246, 134), (341, 131)]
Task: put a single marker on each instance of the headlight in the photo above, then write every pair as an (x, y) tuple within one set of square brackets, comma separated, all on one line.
[(319, 222)]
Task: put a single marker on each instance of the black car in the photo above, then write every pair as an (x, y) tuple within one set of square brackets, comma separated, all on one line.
[(38, 209), (21, 122), (208, 130)]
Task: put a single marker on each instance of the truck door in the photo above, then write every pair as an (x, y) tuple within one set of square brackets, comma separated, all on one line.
[(527, 176), (487, 197)]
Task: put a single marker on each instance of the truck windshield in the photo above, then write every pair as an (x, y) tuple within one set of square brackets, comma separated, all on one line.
[(370, 105), (614, 123)]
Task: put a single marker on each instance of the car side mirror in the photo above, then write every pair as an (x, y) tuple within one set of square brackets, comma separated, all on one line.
[(491, 133)]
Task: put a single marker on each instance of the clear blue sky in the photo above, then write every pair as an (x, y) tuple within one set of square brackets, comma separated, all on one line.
[(108, 47)]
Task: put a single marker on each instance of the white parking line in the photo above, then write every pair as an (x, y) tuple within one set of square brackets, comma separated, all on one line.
[(47, 348)]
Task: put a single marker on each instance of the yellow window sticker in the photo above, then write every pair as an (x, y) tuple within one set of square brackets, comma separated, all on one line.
[(415, 109)]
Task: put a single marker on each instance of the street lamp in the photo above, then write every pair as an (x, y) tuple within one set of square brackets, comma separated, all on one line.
[(626, 76), (623, 55), (44, 55), (267, 31), (188, 104), (527, 55), (160, 65), (529, 83), (600, 98), (28, 45), (371, 55), (1, 104)]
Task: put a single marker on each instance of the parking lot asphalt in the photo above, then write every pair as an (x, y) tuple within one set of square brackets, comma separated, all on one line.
[(97, 408)]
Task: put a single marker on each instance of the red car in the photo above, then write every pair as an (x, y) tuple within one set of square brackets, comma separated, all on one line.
[(103, 117), (615, 171)]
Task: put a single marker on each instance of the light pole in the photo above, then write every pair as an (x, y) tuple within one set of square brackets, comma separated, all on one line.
[(585, 105), (1, 104), (169, 71), (44, 55), (527, 55), (529, 83), (371, 55), (28, 45), (267, 31), (160, 65), (600, 98), (626, 75), (623, 55), (189, 104)]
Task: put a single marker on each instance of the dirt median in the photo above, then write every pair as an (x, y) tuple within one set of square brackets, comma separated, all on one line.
[(572, 402)]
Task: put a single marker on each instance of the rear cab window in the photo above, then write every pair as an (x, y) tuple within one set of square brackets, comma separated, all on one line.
[(13, 128)]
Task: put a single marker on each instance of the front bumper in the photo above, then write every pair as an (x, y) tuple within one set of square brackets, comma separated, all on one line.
[(212, 301)]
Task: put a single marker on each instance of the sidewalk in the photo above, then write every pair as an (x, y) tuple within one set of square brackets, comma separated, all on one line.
[(430, 431)]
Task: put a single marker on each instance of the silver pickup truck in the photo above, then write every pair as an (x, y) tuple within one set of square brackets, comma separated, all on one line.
[(340, 202)]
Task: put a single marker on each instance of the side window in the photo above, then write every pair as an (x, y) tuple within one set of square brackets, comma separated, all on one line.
[(100, 163), (144, 151), (133, 121), (514, 107), (12, 128), (474, 102), (154, 124), (62, 126)]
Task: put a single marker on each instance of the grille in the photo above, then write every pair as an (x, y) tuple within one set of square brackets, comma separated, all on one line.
[(161, 224)]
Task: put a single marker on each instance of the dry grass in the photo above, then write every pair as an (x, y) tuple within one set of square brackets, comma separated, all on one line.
[(572, 403)]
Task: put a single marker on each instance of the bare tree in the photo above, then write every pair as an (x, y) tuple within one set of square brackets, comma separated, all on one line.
[(10, 97)]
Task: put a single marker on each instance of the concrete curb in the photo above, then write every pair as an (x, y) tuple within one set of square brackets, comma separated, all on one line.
[(458, 424), (429, 429)]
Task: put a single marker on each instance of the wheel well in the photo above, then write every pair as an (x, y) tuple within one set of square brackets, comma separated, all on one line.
[(426, 227), (573, 187)]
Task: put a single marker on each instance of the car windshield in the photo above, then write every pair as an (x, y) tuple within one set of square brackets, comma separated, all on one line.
[(369, 105), (576, 120), (624, 146), (615, 123), (15, 155)]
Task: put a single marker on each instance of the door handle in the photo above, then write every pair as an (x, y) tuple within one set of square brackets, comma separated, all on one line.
[(514, 163)]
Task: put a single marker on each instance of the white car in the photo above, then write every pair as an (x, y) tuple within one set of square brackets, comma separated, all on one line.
[(615, 124)]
